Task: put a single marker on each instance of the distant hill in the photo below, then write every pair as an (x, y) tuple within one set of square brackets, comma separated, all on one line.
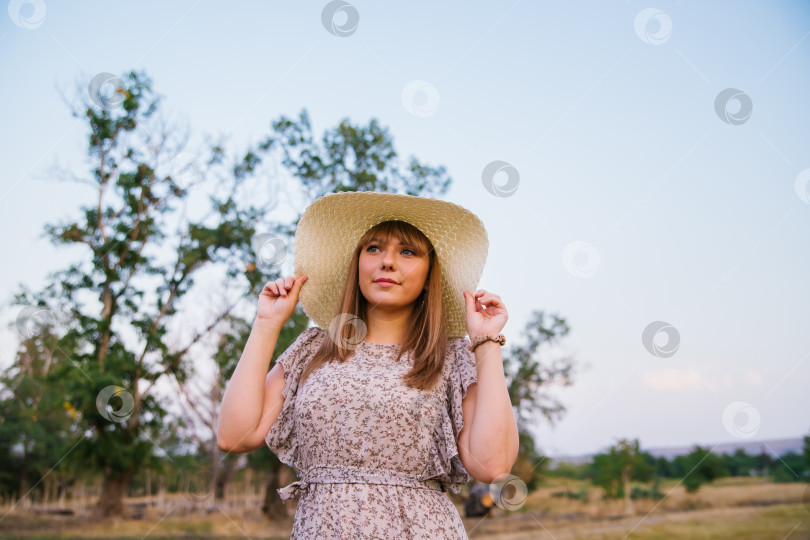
[(773, 447)]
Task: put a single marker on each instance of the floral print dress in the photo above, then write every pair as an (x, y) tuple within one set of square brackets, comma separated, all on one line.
[(374, 456)]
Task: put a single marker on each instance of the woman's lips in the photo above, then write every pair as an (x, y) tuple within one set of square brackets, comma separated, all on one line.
[(385, 283)]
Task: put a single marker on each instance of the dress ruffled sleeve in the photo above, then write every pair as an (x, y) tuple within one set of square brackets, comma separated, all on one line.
[(281, 437), (445, 463)]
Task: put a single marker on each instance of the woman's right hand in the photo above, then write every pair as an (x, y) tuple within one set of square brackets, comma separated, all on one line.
[(278, 299)]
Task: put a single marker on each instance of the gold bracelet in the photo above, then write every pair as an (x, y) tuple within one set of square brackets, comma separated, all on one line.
[(476, 341)]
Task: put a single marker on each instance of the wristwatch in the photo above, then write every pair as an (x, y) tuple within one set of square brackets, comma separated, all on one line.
[(478, 340)]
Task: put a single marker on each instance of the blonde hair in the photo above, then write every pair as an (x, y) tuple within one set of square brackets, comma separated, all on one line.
[(426, 337)]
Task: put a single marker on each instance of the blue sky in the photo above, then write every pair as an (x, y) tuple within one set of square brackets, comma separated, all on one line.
[(617, 141)]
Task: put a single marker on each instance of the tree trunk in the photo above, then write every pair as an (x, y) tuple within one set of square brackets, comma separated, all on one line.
[(273, 508), (111, 501), (23, 500), (224, 477), (629, 509)]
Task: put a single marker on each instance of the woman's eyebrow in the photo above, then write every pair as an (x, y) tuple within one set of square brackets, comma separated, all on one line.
[(379, 240)]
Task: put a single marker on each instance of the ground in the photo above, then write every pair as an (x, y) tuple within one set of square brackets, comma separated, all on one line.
[(734, 508)]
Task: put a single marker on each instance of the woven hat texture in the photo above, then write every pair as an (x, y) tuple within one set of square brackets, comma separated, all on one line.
[(331, 226)]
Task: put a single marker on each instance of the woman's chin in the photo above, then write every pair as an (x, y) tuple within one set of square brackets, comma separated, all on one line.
[(387, 302)]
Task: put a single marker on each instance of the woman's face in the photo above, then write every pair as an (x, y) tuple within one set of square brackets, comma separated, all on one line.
[(402, 264)]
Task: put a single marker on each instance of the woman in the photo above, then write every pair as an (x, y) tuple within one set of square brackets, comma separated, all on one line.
[(385, 404)]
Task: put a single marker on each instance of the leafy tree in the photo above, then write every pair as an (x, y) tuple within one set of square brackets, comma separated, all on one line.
[(120, 347), (654, 492), (568, 469), (528, 373), (806, 451), (37, 421), (790, 467), (613, 470), (350, 158), (739, 463), (702, 466), (530, 465)]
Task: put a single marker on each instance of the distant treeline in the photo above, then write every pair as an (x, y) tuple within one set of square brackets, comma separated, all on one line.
[(789, 467)]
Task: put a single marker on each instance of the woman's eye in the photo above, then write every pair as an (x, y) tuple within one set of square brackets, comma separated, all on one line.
[(378, 247)]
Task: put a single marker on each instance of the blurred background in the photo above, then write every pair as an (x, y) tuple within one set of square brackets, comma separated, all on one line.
[(642, 172)]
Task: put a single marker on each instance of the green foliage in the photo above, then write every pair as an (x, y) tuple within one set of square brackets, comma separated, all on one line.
[(702, 466), (695, 469), (350, 158), (653, 493), (570, 470), (613, 470), (38, 422), (123, 340), (806, 452), (790, 467), (530, 465), (581, 495), (739, 463), (527, 373)]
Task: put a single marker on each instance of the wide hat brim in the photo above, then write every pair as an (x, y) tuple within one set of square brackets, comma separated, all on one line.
[(331, 226)]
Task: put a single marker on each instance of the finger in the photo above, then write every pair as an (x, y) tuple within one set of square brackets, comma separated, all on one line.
[(492, 299), (484, 298), (298, 283), (280, 284)]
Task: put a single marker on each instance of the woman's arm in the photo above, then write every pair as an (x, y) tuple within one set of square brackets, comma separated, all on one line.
[(488, 442), (252, 399)]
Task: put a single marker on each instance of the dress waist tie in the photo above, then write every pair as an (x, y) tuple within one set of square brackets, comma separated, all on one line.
[(354, 475)]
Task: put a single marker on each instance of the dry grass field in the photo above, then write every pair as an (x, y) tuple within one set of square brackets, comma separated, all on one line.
[(732, 508)]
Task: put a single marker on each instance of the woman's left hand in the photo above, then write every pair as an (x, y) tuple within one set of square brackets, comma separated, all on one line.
[(482, 321)]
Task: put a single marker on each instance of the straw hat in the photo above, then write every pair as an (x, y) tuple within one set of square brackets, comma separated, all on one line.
[(331, 226)]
